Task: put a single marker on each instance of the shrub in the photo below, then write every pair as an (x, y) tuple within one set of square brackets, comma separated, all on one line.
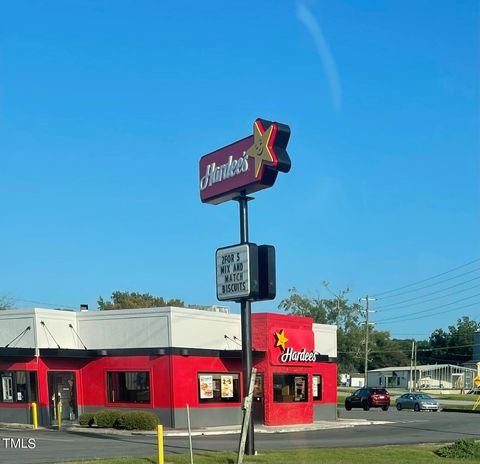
[(107, 417), (138, 420), (461, 449), (87, 418)]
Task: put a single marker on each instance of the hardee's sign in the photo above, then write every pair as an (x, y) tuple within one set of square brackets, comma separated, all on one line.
[(246, 166), (289, 354)]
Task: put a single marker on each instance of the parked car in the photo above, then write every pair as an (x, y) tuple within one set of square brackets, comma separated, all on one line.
[(367, 398), (417, 402)]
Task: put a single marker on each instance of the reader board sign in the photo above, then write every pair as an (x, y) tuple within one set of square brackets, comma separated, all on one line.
[(237, 272)]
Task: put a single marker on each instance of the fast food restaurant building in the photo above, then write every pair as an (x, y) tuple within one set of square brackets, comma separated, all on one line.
[(160, 360)]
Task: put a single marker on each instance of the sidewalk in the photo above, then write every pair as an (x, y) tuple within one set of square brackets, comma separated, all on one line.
[(223, 430)]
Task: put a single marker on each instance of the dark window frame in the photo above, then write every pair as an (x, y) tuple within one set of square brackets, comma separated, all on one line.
[(29, 391), (127, 401), (290, 398)]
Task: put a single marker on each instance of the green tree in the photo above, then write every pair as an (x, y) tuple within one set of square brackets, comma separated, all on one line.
[(6, 302), (129, 300), (424, 354), (385, 351), (437, 349), (461, 336), (454, 346)]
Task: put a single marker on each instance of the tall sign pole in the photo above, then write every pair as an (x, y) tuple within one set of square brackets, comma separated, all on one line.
[(246, 316), (245, 272)]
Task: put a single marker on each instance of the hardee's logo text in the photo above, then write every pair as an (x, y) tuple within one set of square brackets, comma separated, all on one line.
[(289, 355), (215, 173), (303, 355)]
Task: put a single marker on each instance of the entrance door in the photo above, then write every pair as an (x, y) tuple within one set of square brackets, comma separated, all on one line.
[(258, 414), (62, 389)]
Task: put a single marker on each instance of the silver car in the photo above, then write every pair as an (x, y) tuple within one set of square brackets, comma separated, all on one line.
[(417, 402)]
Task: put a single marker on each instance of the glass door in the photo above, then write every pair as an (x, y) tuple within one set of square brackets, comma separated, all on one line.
[(62, 390)]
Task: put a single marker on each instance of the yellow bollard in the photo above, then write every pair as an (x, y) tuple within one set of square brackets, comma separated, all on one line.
[(34, 415), (59, 414), (160, 443)]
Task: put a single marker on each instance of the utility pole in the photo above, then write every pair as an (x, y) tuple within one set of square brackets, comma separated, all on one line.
[(367, 299), (415, 368), (410, 384)]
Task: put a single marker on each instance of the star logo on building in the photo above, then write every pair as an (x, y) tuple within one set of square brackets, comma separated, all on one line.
[(281, 339), (269, 146)]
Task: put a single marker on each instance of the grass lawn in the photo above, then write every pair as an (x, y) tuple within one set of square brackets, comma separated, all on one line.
[(417, 454), (471, 398), (466, 407)]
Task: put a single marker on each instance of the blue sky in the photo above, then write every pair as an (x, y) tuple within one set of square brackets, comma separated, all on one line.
[(107, 107)]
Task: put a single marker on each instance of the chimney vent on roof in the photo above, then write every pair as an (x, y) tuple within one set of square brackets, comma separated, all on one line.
[(83, 308)]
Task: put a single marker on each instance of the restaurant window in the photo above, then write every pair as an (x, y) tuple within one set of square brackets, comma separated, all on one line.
[(317, 387), (218, 388), (289, 388), (128, 387), (18, 386)]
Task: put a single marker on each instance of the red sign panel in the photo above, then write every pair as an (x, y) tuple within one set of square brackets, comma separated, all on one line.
[(246, 166), (292, 347)]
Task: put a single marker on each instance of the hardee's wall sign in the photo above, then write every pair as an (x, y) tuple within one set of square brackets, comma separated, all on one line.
[(289, 354), (246, 166)]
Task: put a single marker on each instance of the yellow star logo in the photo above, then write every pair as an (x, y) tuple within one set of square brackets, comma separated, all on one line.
[(262, 149), (281, 339)]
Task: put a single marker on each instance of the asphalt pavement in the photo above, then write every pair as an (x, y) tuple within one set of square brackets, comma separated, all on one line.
[(354, 428)]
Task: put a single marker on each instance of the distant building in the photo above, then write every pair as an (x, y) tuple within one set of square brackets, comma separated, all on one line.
[(447, 376), (352, 380)]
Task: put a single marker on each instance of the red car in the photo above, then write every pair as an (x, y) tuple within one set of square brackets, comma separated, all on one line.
[(367, 398)]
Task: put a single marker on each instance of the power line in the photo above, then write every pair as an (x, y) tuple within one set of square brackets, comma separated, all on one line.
[(431, 285), (44, 303), (405, 333), (392, 321), (418, 350), (381, 308), (405, 316), (447, 311), (437, 348), (427, 279)]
